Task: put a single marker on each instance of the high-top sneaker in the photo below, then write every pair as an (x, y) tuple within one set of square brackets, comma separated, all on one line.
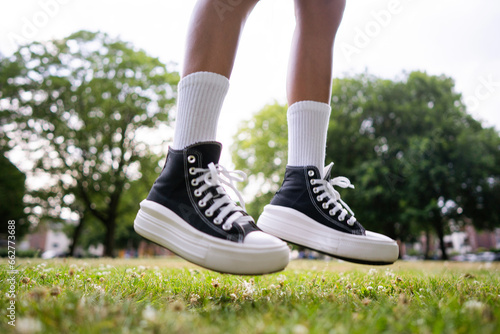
[(189, 212), (308, 211)]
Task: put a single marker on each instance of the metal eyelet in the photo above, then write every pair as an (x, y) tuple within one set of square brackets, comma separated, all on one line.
[(315, 190), (313, 182), (202, 203), (197, 193), (209, 213), (319, 198), (310, 173), (225, 228), (194, 182), (217, 221), (191, 159), (341, 219), (191, 171), (350, 223), (331, 212), (325, 205)]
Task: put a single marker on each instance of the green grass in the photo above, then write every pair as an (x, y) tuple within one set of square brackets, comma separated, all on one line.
[(171, 296)]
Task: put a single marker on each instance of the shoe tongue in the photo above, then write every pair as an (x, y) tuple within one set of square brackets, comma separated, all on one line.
[(210, 152), (327, 171)]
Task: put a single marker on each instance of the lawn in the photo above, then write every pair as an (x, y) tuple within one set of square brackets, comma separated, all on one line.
[(168, 295)]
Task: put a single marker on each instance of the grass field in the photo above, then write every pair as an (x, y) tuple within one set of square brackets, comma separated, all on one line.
[(169, 295)]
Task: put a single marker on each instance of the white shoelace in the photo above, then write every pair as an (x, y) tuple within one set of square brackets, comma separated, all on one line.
[(326, 187), (216, 176)]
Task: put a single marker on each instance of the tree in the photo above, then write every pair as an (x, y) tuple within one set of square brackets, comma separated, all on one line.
[(81, 107), (12, 190), (260, 150), (417, 159)]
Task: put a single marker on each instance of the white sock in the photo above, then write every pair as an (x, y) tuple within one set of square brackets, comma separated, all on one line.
[(307, 128), (199, 103)]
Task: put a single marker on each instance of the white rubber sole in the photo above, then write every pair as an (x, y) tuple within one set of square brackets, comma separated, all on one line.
[(297, 228), (259, 254)]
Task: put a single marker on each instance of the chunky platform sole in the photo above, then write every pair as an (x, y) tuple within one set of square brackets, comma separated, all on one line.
[(165, 228), (295, 227)]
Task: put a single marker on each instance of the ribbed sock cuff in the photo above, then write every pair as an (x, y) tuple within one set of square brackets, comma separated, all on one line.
[(307, 130), (199, 102)]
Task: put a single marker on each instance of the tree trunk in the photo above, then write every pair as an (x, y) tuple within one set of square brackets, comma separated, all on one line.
[(438, 224), (427, 244), (109, 239), (76, 235)]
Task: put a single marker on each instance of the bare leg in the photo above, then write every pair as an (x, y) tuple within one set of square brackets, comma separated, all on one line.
[(310, 67), (182, 202), (213, 35), (212, 41), (307, 210)]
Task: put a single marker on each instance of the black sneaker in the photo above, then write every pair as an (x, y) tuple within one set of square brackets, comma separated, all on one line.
[(189, 212), (308, 211)]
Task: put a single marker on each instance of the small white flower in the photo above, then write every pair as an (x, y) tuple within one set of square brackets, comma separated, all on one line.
[(129, 270), (28, 325), (369, 288), (149, 313), (473, 305), (98, 288), (372, 271), (300, 329), (380, 287), (248, 289), (194, 298)]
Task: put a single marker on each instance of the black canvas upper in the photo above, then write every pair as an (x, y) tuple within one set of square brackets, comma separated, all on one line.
[(296, 192), (173, 189)]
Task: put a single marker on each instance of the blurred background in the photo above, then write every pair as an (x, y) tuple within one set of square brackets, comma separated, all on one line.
[(87, 106)]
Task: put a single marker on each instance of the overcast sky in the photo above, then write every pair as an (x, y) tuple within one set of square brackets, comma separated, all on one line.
[(459, 38)]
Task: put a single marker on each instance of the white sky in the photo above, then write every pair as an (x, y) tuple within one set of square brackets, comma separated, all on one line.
[(460, 38)]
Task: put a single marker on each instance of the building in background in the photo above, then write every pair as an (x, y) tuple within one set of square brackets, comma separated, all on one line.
[(460, 244)]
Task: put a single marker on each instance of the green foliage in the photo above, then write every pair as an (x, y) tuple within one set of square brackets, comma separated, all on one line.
[(77, 106), (260, 150), (169, 295), (12, 190), (415, 156)]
